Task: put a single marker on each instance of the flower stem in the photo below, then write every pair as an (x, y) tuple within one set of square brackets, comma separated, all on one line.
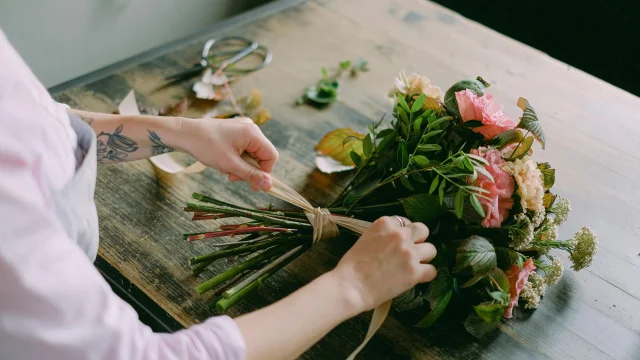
[(255, 215), (236, 270), (244, 231), (227, 302), (241, 250)]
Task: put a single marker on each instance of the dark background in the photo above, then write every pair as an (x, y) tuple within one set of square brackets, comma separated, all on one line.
[(599, 37)]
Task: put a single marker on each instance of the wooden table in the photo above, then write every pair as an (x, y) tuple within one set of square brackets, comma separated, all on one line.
[(593, 130)]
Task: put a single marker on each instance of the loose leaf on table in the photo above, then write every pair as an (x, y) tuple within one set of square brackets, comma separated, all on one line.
[(339, 143), (422, 208), (477, 327), (529, 121), (522, 149), (477, 254), (548, 175), (439, 295)]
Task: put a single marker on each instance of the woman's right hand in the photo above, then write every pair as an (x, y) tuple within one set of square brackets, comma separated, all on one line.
[(387, 260)]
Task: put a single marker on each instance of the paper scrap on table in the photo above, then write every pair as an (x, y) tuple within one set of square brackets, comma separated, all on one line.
[(327, 165), (164, 162)]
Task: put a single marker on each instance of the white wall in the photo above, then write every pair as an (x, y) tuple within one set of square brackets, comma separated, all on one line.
[(63, 39)]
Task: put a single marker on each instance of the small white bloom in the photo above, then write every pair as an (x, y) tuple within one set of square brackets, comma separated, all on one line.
[(538, 217), (522, 236), (556, 269), (561, 209), (530, 295), (415, 84), (585, 247), (538, 284), (548, 233)]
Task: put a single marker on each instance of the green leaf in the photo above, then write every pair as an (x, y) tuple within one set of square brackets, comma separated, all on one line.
[(386, 141), (467, 164), (475, 253), (421, 161), (548, 199), (384, 133), (367, 146), (443, 183), (416, 126), (439, 121), (477, 189), (482, 170), (501, 297), (325, 73), (477, 158), (408, 300), (434, 184), (422, 208), (403, 154), (529, 121), (406, 183), (507, 138), (357, 160), (472, 123), (418, 103), (474, 177), (472, 281), (403, 103), (489, 311), (344, 65), (476, 205), (459, 203), (522, 149), (430, 134), (500, 278), (429, 147), (548, 175), (478, 327), (418, 178), (439, 295), (520, 262), (358, 191)]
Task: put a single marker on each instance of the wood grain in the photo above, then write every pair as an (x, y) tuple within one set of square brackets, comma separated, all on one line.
[(592, 128)]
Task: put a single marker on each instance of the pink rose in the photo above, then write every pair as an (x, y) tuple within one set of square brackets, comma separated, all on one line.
[(517, 279), (500, 191), (485, 109)]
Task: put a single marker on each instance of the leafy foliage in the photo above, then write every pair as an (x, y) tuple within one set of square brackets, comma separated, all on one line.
[(422, 208), (439, 296), (477, 254), (548, 175), (339, 143), (529, 121)]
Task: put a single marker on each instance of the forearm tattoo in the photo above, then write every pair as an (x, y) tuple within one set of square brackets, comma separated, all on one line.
[(157, 146), (114, 147)]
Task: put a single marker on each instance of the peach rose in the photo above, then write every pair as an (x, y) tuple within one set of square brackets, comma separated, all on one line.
[(486, 110), (517, 279), (500, 191)]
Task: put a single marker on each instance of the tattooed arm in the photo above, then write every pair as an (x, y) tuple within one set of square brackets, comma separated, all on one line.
[(127, 138), (215, 143)]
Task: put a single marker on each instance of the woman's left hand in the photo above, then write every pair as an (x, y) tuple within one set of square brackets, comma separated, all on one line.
[(219, 143)]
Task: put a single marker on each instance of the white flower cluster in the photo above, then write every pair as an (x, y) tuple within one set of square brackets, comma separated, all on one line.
[(585, 247), (554, 274), (533, 290), (415, 84), (538, 217), (561, 209), (522, 237), (547, 233)]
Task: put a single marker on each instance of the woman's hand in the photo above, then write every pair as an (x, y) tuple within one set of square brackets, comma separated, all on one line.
[(387, 260), (218, 143)]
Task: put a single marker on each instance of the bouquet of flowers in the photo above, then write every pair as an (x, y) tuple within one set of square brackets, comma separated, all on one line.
[(456, 162)]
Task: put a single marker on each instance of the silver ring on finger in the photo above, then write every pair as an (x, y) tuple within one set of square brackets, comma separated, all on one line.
[(401, 221)]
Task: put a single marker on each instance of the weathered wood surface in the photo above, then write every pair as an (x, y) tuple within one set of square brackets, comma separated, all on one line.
[(593, 133)]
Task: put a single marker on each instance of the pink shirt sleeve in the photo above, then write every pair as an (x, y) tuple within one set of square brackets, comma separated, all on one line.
[(53, 302)]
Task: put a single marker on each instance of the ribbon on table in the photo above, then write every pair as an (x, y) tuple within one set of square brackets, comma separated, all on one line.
[(325, 224)]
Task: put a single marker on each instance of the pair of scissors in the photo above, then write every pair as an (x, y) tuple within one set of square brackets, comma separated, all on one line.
[(223, 54)]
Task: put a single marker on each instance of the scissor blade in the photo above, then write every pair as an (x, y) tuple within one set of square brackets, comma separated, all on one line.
[(243, 53), (195, 70)]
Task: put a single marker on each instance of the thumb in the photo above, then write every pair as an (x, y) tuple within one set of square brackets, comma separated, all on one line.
[(258, 179)]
